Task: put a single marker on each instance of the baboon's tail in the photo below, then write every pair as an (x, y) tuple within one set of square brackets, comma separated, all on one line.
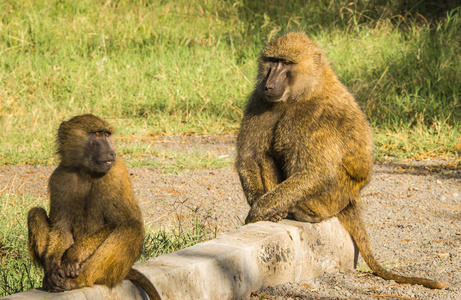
[(143, 282), (351, 219)]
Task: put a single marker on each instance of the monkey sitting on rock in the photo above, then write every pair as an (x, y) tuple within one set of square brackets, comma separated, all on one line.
[(304, 149), (94, 232)]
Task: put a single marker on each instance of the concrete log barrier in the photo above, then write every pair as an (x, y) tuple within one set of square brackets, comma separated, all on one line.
[(234, 264)]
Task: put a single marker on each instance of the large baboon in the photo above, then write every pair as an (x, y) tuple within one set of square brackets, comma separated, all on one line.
[(94, 232), (304, 150)]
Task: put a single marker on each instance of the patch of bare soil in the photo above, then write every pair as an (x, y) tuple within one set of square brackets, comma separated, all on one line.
[(413, 212)]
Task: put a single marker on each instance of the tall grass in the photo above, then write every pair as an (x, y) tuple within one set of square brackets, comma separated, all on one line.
[(171, 67)]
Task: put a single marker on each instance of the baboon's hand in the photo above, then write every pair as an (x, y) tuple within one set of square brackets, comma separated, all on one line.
[(278, 216), (70, 264), (52, 280), (257, 214), (251, 218)]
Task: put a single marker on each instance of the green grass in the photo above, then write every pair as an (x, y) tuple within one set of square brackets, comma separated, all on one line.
[(176, 162), (18, 273), (163, 241), (169, 161), (181, 67), (418, 142)]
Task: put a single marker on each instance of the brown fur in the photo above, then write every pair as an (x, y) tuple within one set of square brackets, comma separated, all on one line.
[(307, 154), (94, 232)]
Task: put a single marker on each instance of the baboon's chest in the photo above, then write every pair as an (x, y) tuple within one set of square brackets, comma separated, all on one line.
[(89, 219), (291, 142), (288, 136)]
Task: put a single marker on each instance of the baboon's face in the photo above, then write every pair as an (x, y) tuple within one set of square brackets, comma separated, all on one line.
[(99, 152), (276, 76)]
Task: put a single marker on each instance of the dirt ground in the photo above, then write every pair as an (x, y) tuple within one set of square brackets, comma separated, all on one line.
[(413, 212)]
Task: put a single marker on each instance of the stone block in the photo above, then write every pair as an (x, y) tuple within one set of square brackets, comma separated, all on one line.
[(235, 264)]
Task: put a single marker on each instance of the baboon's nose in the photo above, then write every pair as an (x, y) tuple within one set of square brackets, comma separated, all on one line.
[(112, 155)]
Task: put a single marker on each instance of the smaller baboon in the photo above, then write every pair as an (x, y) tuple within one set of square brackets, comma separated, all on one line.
[(94, 232), (304, 149)]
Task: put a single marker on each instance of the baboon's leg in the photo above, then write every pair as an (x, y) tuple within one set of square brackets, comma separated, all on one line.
[(321, 207), (111, 262), (39, 230), (303, 191), (258, 177), (80, 250), (270, 176)]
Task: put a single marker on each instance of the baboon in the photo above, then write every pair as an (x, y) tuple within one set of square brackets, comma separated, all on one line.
[(304, 149), (94, 232)]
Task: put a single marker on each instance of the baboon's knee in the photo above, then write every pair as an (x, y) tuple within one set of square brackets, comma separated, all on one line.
[(36, 214), (39, 228)]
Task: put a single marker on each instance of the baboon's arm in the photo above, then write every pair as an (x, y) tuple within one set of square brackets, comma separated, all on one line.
[(250, 178), (86, 246), (82, 249), (279, 200), (258, 177)]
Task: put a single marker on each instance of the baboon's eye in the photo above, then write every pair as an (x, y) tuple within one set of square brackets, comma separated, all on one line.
[(98, 133), (107, 134), (287, 62)]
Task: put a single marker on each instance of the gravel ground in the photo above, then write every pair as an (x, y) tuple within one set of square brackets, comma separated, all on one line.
[(413, 212)]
